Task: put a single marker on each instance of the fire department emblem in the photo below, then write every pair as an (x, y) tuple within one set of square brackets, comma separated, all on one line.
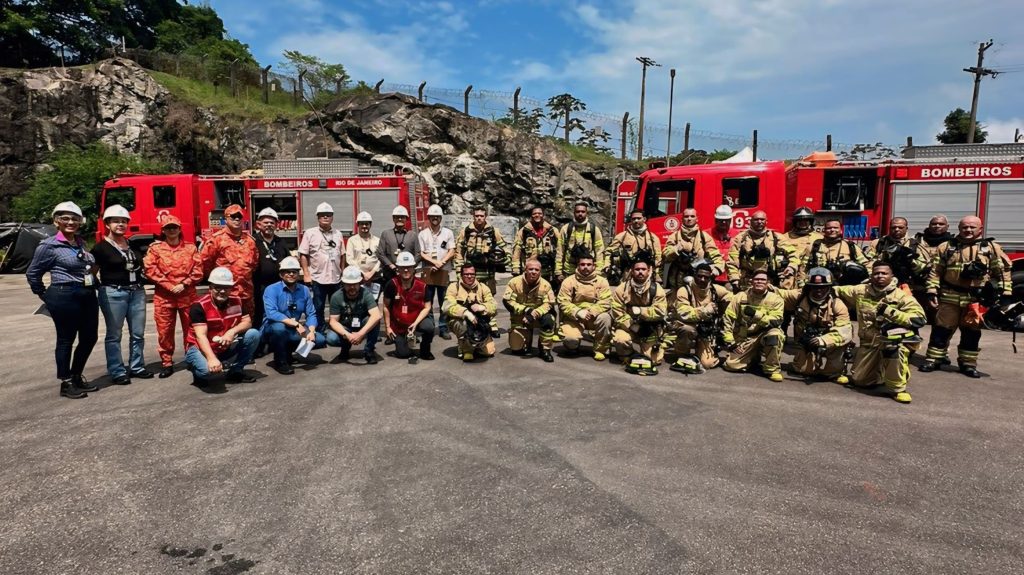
[(671, 224)]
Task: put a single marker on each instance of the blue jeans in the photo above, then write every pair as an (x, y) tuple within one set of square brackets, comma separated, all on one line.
[(369, 342), (241, 350), (321, 295), (75, 314), (284, 339), (119, 305), (442, 322)]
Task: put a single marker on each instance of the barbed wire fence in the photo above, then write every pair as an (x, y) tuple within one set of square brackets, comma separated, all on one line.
[(260, 84)]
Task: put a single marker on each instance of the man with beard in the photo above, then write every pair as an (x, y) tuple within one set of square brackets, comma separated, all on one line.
[(822, 328), (482, 245), (840, 256), (685, 246), (696, 317), (235, 250), (394, 241), (272, 250), (899, 251), (751, 328), (887, 323), (585, 299), (220, 330), (639, 310), (355, 317), (538, 240), (635, 244), (579, 237), (470, 308), (960, 270), (758, 249), (530, 301), (286, 302), (722, 233)]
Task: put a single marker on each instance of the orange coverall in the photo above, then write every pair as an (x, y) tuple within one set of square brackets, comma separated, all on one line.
[(237, 253), (167, 266)]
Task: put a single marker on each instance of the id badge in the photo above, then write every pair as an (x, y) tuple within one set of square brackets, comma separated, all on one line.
[(131, 277), (88, 280), (405, 309), (356, 324)]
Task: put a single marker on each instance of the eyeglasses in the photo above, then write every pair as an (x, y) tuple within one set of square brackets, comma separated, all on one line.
[(69, 219), (290, 272), (235, 217), (219, 288)]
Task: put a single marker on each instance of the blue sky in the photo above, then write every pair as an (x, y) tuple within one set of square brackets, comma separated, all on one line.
[(864, 71)]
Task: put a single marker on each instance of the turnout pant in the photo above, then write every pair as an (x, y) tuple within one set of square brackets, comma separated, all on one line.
[(625, 344), (888, 365), (947, 321), (600, 327), (806, 363), (766, 345), (689, 343), (521, 332)]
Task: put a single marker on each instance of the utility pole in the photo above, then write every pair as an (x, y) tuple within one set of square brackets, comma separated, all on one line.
[(645, 62), (978, 72), (671, 94)]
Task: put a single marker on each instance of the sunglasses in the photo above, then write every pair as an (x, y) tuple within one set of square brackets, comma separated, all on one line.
[(219, 288), (291, 272), (235, 217)]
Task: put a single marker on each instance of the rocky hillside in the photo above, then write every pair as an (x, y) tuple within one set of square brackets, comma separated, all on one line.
[(466, 160)]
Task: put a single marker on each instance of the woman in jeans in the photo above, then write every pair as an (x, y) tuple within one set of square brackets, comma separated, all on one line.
[(71, 297), (121, 298)]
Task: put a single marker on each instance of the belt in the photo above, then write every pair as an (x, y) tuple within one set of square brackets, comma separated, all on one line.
[(65, 285), (963, 290), (123, 288)]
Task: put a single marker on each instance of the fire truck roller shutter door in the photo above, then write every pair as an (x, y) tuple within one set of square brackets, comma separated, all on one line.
[(379, 203), (918, 202), (343, 202), (1003, 215)]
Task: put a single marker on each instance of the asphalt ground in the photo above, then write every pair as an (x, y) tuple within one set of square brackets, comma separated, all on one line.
[(509, 465)]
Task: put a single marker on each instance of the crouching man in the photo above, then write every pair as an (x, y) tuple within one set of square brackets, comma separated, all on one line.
[(822, 327), (407, 309), (470, 308), (220, 330), (284, 305), (696, 319), (585, 299), (639, 309), (751, 328), (529, 300), (355, 317)]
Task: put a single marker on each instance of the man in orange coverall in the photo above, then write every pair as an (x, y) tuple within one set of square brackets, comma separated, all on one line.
[(170, 264), (236, 250)]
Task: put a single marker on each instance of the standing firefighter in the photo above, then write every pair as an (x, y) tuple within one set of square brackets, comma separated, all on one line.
[(840, 256), (696, 316), (961, 269), (639, 309), (751, 328), (537, 240), (685, 246), (579, 237), (170, 265), (900, 252), (822, 328), (928, 242), (585, 300), (758, 249), (531, 304), (235, 250), (481, 245), (799, 238), (635, 244), (887, 323)]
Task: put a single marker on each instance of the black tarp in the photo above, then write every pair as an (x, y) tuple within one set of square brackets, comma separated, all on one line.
[(20, 241)]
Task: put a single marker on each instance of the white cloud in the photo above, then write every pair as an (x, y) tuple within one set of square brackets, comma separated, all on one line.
[(1002, 131)]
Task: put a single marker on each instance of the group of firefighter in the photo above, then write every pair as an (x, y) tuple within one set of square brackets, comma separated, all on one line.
[(704, 293)]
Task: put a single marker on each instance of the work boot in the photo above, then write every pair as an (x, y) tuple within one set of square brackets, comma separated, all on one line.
[(467, 357), (122, 380), (842, 379), (928, 366), (371, 358), (425, 354), (167, 371), (545, 354), (239, 377), (81, 383), (777, 376), (70, 390), (598, 356), (445, 334), (969, 370), (902, 397), (144, 374)]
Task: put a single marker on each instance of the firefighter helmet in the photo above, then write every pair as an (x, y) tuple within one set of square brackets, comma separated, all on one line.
[(67, 207), (687, 364), (853, 273), (803, 213), (351, 275), (435, 210), (819, 277), (289, 263), (399, 211), (221, 277), (405, 260), (723, 212), (640, 364), (116, 211)]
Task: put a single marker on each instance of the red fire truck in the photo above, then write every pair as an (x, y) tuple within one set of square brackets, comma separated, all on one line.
[(954, 180), (293, 188)]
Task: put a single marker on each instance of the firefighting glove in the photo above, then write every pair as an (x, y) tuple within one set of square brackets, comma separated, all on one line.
[(749, 311), (469, 316), (880, 310)]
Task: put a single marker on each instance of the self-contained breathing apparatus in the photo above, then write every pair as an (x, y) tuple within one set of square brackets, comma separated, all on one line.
[(777, 258), (847, 272), (901, 258), (493, 260), (620, 263)]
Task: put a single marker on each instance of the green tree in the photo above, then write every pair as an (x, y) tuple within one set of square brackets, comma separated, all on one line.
[(595, 139), (193, 25), (561, 107), (76, 174), (321, 78), (527, 121), (958, 125)]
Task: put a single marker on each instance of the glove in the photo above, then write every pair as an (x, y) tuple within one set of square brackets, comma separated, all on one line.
[(749, 311), (818, 342), (469, 316), (708, 310), (635, 310), (880, 310)]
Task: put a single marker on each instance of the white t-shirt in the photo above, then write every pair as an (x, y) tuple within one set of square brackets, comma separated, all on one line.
[(437, 246)]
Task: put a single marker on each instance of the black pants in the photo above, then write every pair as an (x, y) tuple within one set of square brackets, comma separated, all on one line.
[(75, 313)]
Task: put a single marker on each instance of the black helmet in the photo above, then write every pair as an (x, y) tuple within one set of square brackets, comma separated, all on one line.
[(819, 277), (853, 273), (803, 213), (701, 264)]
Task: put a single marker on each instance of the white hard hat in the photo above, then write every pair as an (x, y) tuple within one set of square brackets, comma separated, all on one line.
[(70, 207), (400, 211), (116, 211), (405, 259), (267, 213), (289, 263), (221, 277), (364, 217), (435, 210), (352, 275), (723, 212), (325, 208)]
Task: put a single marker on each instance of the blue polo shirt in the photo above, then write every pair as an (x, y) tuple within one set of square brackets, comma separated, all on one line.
[(281, 303)]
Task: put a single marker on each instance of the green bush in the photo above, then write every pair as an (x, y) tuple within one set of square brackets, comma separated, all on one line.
[(76, 174)]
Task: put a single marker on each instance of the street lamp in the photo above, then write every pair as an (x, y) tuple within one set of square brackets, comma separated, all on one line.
[(645, 62)]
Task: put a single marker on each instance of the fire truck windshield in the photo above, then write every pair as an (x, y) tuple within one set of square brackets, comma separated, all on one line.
[(124, 196), (663, 197)]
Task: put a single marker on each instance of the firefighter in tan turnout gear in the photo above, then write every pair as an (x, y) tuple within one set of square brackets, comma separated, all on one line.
[(585, 299), (696, 316), (840, 256), (887, 323), (634, 244), (799, 238), (900, 252), (530, 302), (822, 327), (686, 245), (482, 245), (960, 271), (758, 249), (580, 236), (470, 308), (639, 310), (751, 328)]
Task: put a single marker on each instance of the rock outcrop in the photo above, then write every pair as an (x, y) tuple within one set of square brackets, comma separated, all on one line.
[(467, 161)]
